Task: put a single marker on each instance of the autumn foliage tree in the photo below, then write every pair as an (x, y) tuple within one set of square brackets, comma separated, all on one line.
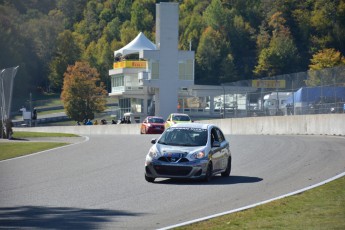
[(248, 38), (320, 68), (281, 55), (81, 95)]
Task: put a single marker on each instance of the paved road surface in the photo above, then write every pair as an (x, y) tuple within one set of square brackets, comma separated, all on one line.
[(100, 184)]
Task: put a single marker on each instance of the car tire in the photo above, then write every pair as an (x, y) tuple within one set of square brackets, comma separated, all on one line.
[(208, 175), (149, 179), (227, 171)]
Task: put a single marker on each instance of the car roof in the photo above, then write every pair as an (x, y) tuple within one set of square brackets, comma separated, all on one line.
[(180, 114), (154, 117), (193, 125)]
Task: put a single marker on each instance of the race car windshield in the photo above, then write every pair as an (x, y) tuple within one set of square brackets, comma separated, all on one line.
[(184, 137), (181, 118)]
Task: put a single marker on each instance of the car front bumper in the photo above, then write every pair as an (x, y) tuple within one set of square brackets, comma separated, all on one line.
[(155, 130), (191, 169)]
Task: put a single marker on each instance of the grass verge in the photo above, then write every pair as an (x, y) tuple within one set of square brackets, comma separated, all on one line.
[(18, 134), (320, 208), (15, 149), (10, 150)]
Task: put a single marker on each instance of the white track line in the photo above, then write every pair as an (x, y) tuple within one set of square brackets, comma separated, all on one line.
[(254, 205)]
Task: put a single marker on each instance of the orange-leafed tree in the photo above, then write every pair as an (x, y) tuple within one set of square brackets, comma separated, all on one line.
[(83, 94), (326, 68)]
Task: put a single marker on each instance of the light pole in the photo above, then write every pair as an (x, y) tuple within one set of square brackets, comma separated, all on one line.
[(223, 100), (30, 109)]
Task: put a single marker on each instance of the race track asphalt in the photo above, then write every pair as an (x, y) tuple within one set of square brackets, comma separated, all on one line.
[(99, 183)]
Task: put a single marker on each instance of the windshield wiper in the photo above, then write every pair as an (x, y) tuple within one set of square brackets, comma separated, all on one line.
[(190, 144)]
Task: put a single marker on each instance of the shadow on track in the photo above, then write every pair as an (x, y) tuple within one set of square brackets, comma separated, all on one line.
[(38, 217), (216, 180)]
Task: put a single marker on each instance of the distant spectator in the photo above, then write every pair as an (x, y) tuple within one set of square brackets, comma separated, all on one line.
[(103, 122), (289, 108), (34, 114), (123, 120), (96, 122), (23, 109), (89, 122), (78, 123), (113, 122)]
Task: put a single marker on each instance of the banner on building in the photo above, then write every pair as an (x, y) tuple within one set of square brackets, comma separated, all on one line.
[(273, 84), (129, 64)]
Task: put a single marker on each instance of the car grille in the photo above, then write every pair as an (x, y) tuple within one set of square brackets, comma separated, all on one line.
[(173, 170), (171, 159)]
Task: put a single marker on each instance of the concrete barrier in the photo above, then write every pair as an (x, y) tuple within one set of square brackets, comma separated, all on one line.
[(86, 129), (323, 124)]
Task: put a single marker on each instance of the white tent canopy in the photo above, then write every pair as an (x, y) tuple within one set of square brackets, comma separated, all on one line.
[(140, 42)]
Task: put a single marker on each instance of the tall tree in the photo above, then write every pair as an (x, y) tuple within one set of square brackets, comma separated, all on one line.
[(43, 31), (326, 58), (212, 49), (81, 95), (214, 15), (191, 23), (100, 55), (67, 53), (72, 11), (281, 55), (123, 10), (141, 17)]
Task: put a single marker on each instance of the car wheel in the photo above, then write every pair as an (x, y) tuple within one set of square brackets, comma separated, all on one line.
[(208, 175), (227, 171), (149, 179)]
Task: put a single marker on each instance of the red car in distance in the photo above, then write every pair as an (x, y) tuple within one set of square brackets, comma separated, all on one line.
[(152, 125)]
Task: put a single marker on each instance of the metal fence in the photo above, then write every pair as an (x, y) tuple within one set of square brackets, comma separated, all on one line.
[(311, 92)]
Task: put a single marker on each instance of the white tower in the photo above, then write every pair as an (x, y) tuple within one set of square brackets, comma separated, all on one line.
[(167, 42)]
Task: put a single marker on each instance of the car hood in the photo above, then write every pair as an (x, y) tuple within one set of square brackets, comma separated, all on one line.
[(177, 149), (182, 121)]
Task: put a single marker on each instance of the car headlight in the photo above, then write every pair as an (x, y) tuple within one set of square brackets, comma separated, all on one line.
[(153, 152), (198, 155)]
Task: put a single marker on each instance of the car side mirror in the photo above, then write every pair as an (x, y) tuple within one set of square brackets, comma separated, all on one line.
[(216, 144), (153, 141)]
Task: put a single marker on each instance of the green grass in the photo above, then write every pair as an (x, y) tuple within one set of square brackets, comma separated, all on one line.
[(50, 111), (320, 208), (15, 149), (41, 134), (10, 150)]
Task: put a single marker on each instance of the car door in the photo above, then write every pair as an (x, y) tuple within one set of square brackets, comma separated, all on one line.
[(216, 150), (224, 149)]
